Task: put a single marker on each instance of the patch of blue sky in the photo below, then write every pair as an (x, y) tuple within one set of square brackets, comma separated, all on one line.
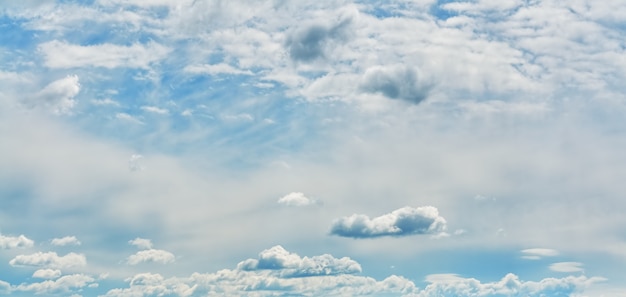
[(441, 13), (14, 36)]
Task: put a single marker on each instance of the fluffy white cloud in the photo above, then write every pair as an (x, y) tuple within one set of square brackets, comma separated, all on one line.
[(289, 264), (296, 199), (510, 285), (538, 253), (67, 240), (10, 242), (58, 54), (5, 287), (151, 255), (140, 243), (64, 284), (58, 96), (567, 267), (50, 260), (47, 273), (400, 222)]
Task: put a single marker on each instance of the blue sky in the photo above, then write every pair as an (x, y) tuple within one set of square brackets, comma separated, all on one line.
[(312, 148)]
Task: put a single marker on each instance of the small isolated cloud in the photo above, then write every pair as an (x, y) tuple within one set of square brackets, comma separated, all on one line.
[(292, 265), (67, 240), (47, 273), (216, 69), (401, 222), (538, 253), (58, 96), (10, 242), (155, 110), (128, 118), (105, 102), (151, 255), (443, 278), (567, 267), (134, 164), (141, 243), (395, 82), (50, 260), (296, 199)]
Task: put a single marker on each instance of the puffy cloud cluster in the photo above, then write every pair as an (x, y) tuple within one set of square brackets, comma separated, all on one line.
[(148, 254), (401, 222), (64, 284), (289, 264), (50, 260), (11, 242), (509, 285), (58, 96)]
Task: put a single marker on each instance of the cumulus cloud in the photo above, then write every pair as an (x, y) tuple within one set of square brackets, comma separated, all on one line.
[(67, 240), (401, 222), (59, 54), (509, 285), (50, 260), (395, 82), (5, 287), (47, 273), (151, 255), (58, 96), (64, 284), (538, 253), (567, 267), (291, 265), (10, 242), (296, 199), (141, 243)]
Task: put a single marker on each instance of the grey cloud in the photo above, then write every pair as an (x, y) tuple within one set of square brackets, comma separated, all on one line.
[(291, 265), (395, 82), (309, 42), (401, 222)]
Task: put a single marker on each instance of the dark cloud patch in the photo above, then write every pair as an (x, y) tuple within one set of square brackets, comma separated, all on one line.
[(401, 222), (310, 41), (395, 82)]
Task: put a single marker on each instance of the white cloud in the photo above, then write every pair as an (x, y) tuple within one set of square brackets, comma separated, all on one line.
[(47, 273), (10, 242), (538, 253), (151, 255), (134, 164), (401, 222), (140, 243), (510, 285), (105, 102), (64, 284), (67, 240), (128, 118), (215, 69), (58, 96), (5, 288), (567, 267), (289, 264), (154, 109), (50, 260), (59, 54), (296, 199)]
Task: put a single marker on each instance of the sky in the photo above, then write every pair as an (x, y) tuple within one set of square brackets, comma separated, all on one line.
[(312, 148)]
